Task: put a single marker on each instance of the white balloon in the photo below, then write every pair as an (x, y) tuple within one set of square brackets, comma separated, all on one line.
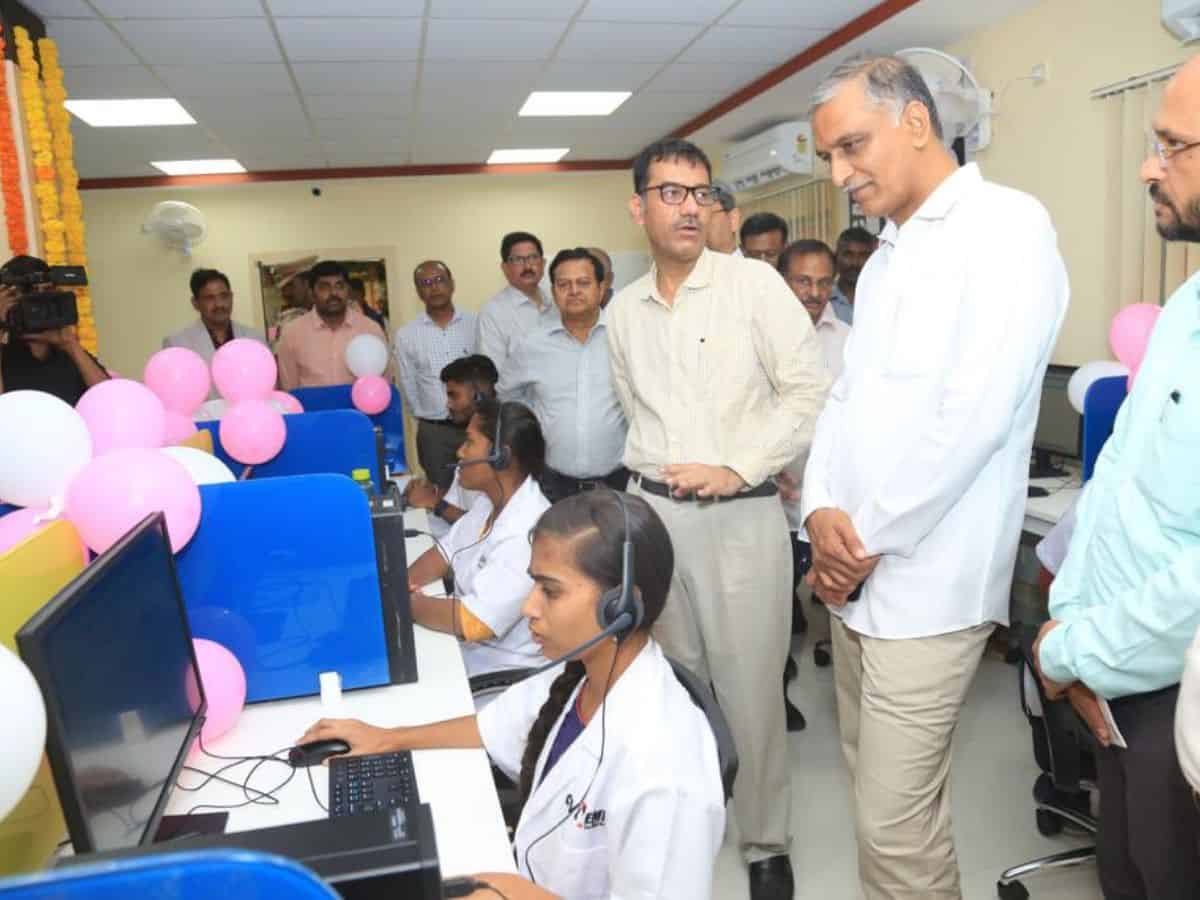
[(1085, 375), (203, 467), (43, 444), (210, 411), (24, 718), (366, 354)]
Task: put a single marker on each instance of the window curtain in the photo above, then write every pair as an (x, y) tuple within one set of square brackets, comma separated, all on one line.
[(807, 209)]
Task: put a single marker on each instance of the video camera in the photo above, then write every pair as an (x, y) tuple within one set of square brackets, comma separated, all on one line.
[(36, 311)]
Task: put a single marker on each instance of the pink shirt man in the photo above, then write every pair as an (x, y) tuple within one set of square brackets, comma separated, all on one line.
[(311, 354)]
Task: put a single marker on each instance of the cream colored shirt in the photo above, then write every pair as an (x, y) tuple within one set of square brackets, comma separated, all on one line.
[(730, 374)]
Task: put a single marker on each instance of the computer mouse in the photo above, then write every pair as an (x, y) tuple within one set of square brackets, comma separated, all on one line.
[(316, 752)]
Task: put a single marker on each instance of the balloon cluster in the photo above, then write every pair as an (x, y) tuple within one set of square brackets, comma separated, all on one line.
[(367, 359), (252, 429), (1129, 336)]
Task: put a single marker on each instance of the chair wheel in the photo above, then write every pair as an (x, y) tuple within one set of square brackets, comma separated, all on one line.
[(1048, 824), (821, 657), (1014, 890)]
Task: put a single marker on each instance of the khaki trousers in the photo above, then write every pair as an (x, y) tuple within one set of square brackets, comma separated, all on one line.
[(728, 619), (898, 704)]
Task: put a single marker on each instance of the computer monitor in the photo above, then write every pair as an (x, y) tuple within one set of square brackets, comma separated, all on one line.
[(1059, 427), (112, 654)]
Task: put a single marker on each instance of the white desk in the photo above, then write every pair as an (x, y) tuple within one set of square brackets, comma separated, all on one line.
[(457, 784), (1043, 513)]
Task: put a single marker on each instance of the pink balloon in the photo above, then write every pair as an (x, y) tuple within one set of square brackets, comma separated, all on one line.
[(121, 415), (244, 369), (114, 492), (252, 432), (286, 402), (19, 524), (371, 394), (180, 427), (1130, 333), (224, 683), (179, 377)]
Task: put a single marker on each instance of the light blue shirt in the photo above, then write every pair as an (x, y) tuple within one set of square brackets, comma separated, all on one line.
[(1128, 594), (842, 307), (569, 387)]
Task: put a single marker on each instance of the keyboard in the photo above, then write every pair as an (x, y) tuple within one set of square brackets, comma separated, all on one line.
[(359, 784)]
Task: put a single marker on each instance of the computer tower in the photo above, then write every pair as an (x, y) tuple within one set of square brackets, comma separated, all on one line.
[(387, 521)]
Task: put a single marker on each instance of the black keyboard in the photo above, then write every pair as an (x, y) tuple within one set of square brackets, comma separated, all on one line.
[(359, 784)]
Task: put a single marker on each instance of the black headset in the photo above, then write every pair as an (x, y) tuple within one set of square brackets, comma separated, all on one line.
[(620, 609), (500, 456)]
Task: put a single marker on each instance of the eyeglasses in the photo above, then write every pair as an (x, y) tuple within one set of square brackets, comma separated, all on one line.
[(1166, 150), (431, 281), (770, 256), (528, 260), (674, 194), (803, 281)]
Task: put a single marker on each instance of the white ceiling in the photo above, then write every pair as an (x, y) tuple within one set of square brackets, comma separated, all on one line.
[(286, 84)]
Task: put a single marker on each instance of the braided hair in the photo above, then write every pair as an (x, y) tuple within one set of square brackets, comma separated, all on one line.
[(596, 518)]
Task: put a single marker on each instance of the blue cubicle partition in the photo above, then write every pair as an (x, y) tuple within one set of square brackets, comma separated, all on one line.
[(1100, 406), (6, 508), (283, 573), (338, 441), (391, 420)]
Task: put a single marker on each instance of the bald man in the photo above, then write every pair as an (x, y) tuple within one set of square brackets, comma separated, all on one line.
[(1126, 602)]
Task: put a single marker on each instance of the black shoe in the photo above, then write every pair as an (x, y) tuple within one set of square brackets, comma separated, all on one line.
[(795, 718), (771, 879)]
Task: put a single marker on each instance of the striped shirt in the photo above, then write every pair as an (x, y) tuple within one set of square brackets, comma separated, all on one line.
[(423, 349)]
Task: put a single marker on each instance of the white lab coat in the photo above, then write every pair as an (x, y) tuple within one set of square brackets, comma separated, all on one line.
[(654, 817), (458, 496), (491, 577)]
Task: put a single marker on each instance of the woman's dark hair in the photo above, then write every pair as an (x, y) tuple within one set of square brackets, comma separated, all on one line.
[(596, 523), (519, 431)]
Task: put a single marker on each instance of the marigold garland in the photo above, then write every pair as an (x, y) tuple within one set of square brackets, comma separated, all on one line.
[(10, 170), (45, 186)]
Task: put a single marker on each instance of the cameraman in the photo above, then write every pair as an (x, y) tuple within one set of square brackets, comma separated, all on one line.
[(50, 361)]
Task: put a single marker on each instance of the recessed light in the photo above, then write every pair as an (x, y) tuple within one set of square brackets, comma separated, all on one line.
[(130, 113), (199, 166), (573, 103), (542, 155)]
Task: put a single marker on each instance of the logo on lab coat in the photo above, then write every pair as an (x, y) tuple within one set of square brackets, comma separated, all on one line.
[(583, 816)]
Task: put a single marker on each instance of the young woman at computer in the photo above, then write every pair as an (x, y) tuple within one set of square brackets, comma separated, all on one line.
[(487, 549), (618, 766)]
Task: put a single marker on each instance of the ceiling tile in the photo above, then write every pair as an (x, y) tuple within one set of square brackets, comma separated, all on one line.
[(798, 13), (60, 9), (282, 158), (248, 108), (159, 9), (362, 8), (586, 76), (491, 39), (607, 43), (226, 80), (449, 108), (350, 39), (702, 11), (88, 43), (382, 153), (200, 42), (443, 75), (348, 77), (352, 106), (448, 149), (694, 77), (358, 131), (511, 9), (246, 138), (112, 82), (772, 46), (667, 111)]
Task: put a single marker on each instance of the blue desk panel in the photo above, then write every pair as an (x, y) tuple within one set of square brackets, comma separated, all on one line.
[(1100, 406), (391, 420)]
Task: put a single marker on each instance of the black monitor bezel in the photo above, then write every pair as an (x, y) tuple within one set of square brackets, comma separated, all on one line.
[(1056, 450), (30, 644)]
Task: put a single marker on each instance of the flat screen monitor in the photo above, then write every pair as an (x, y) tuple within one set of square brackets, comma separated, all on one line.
[(112, 654), (1058, 425)]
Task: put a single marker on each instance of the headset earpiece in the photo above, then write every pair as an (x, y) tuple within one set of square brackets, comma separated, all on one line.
[(624, 599)]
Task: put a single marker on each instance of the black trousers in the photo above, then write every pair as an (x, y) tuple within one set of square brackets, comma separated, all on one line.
[(437, 444), (1149, 842), (557, 486)]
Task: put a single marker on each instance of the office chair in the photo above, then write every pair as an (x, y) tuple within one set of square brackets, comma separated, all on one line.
[(1065, 752), (191, 875), (489, 684)]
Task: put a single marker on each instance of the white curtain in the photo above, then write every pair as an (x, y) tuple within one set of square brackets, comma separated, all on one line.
[(807, 209)]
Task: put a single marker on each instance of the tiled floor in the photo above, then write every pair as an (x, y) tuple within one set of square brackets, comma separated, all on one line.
[(993, 777)]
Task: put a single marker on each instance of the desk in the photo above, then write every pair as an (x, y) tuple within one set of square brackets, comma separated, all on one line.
[(457, 784), (1043, 513)]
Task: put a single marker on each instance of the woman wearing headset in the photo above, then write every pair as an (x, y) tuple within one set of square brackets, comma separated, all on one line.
[(618, 766), (487, 549)]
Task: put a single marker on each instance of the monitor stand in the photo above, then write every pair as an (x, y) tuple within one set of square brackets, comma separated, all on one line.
[(172, 827), (1043, 466)]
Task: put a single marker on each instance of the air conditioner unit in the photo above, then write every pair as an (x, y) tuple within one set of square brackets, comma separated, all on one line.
[(1182, 18), (783, 150)]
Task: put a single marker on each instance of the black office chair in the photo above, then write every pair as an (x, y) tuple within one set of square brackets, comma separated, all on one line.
[(1065, 751), (486, 685)]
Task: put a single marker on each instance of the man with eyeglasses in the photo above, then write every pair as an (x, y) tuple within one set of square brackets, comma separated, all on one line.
[(720, 375), (521, 307), (1125, 604), (424, 347), (763, 236)]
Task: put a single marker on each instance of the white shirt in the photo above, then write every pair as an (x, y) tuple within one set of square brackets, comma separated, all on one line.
[(655, 813), (423, 349), (832, 332), (491, 577), (506, 318), (926, 437), (1187, 717), (569, 387), (458, 496), (196, 338)]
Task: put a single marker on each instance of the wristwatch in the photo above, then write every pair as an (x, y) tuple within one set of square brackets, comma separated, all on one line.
[(439, 508)]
